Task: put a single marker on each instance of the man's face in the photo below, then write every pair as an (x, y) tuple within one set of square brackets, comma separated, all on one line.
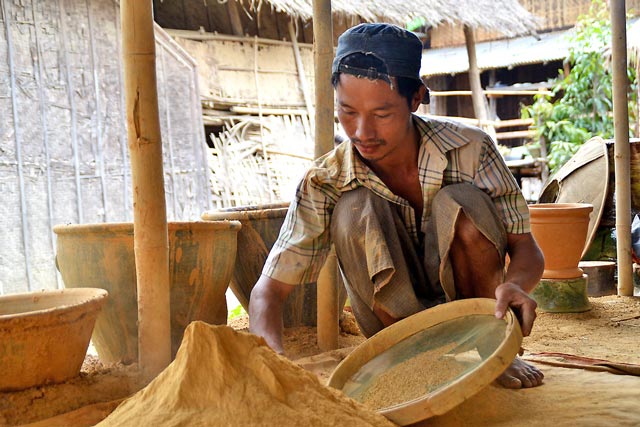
[(375, 117)]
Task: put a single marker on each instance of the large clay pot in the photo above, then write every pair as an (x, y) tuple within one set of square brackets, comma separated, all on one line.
[(560, 229), (260, 228), (201, 257), (44, 335)]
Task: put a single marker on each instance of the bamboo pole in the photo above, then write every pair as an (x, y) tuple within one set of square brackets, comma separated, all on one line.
[(323, 57), (149, 207), (324, 121), (621, 148), (301, 75), (477, 94)]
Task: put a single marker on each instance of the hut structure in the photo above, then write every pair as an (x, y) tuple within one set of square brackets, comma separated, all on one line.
[(63, 152), (256, 77), (63, 143), (512, 69)]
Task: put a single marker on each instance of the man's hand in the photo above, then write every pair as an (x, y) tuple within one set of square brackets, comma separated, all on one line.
[(265, 310), (523, 274), (524, 307)]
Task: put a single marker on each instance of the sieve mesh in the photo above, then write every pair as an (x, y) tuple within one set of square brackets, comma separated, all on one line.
[(426, 361)]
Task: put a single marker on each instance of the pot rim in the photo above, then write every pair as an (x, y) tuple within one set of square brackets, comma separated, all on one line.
[(561, 206), (127, 227), (78, 298), (247, 215)]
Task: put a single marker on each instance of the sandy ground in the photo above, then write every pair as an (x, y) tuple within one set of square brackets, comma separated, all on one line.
[(609, 331)]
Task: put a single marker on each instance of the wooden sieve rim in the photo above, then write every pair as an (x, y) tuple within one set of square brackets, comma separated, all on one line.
[(456, 392)]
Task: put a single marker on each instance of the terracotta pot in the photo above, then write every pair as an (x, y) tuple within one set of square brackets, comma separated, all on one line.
[(561, 232), (260, 229), (201, 257), (44, 335)]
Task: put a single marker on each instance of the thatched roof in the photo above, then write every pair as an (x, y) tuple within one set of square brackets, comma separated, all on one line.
[(505, 16)]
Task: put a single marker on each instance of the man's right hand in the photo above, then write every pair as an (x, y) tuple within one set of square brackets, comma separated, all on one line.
[(266, 306)]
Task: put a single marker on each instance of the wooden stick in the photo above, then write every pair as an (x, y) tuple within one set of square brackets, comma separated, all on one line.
[(197, 35), (301, 74), (240, 109), (260, 115), (516, 134), (323, 55), (623, 318), (494, 123), (151, 241), (477, 94), (489, 92)]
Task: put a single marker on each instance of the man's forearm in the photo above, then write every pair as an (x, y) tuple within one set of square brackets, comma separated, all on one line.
[(265, 311), (526, 262)]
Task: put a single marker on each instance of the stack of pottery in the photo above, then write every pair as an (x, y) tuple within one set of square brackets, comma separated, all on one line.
[(201, 260), (560, 229)]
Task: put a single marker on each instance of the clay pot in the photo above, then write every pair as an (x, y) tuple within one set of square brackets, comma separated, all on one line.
[(201, 257), (44, 335), (260, 229), (561, 232)]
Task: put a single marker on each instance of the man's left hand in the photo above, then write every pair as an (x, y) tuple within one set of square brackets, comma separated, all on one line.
[(524, 307)]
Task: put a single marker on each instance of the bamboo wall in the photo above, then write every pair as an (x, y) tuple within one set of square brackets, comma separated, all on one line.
[(249, 71), (63, 145)]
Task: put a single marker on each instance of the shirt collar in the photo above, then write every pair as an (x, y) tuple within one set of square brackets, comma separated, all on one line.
[(444, 135)]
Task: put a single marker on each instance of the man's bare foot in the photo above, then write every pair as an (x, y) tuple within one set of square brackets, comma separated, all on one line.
[(520, 375)]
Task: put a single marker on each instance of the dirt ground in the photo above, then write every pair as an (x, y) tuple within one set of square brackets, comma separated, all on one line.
[(610, 330)]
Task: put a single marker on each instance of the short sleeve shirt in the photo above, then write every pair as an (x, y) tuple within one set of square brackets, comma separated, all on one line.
[(449, 153)]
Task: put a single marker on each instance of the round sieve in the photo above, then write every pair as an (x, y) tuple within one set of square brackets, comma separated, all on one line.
[(430, 362)]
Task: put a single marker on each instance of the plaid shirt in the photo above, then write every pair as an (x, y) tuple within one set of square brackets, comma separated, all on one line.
[(449, 153)]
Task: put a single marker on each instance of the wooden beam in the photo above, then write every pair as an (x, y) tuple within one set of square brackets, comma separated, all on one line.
[(234, 18), (477, 95), (515, 134), (151, 243), (490, 92)]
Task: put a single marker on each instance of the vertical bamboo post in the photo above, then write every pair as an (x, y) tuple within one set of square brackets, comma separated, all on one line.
[(327, 293), (477, 94), (149, 207), (621, 147), (301, 75)]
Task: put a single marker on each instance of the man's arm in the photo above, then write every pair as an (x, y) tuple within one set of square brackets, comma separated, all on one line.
[(265, 310), (523, 274)]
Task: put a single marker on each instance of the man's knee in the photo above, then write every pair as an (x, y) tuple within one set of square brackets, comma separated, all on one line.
[(460, 194), (467, 233)]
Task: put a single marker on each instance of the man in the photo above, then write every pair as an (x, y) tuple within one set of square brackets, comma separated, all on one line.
[(419, 211)]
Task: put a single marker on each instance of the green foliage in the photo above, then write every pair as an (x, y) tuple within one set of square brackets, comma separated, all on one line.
[(581, 103), (236, 312)]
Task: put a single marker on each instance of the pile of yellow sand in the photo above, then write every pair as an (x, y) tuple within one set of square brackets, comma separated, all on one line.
[(222, 377)]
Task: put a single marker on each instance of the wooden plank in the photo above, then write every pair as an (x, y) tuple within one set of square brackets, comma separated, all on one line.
[(489, 92), (516, 134)]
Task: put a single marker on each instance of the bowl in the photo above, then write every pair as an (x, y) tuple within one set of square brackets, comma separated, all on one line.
[(44, 335)]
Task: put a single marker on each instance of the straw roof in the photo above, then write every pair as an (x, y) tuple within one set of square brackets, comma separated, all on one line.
[(505, 16)]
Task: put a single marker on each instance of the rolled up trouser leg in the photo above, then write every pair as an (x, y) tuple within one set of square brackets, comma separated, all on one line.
[(377, 259), (440, 230)]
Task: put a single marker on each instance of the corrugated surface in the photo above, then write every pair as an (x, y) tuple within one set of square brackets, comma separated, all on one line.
[(63, 142), (497, 54)]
